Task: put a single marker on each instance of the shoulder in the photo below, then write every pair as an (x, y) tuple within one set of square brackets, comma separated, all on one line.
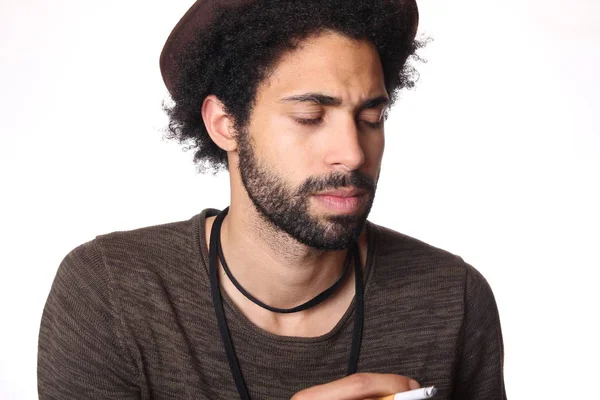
[(137, 260), (142, 259), (163, 238), (402, 261), (398, 249)]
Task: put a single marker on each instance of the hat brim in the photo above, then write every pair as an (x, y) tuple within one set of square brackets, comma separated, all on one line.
[(199, 16)]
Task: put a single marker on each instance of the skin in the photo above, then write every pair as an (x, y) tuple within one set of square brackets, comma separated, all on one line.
[(298, 135)]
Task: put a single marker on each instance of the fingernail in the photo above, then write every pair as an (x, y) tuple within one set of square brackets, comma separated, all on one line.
[(412, 384)]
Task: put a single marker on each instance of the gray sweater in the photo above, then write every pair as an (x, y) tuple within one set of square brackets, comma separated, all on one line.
[(130, 316)]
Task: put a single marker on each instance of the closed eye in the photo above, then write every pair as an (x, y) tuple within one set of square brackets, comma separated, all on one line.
[(373, 125), (309, 121), (317, 121)]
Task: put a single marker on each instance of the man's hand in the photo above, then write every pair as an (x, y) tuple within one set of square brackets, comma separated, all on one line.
[(361, 386)]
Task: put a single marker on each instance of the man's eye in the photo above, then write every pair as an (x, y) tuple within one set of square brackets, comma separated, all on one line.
[(373, 125), (309, 121)]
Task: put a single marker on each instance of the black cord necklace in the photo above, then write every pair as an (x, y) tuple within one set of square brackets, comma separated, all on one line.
[(216, 251), (310, 303)]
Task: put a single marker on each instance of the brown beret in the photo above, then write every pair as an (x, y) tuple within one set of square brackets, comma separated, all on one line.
[(200, 15), (197, 17)]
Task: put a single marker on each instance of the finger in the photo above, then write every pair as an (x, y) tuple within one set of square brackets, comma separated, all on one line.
[(358, 387)]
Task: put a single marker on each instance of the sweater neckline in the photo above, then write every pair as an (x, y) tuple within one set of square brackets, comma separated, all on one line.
[(240, 321)]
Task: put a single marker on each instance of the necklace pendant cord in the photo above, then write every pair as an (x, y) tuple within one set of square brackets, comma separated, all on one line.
[(216, 253), (304, 306), (220, 312)]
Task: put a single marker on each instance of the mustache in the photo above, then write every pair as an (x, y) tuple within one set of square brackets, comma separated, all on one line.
[(335, 181)]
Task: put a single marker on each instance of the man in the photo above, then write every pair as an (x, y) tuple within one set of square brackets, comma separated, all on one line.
[(289, 292)]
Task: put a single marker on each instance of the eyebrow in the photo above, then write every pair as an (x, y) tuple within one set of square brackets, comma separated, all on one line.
[(324, 100)]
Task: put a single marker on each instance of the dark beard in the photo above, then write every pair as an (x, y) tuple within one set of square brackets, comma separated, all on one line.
[(288, 209)]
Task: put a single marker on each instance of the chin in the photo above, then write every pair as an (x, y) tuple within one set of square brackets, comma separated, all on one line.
[(341, 231)]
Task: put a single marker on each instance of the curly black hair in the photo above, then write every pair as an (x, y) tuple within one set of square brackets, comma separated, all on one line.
[(235, 53)]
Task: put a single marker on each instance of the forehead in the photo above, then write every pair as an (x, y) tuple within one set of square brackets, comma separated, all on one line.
[(329, 63)]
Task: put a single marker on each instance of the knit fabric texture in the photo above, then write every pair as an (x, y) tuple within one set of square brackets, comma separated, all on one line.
[(130, 316)]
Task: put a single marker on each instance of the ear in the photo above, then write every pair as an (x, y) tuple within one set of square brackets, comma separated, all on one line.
[(218, 123)]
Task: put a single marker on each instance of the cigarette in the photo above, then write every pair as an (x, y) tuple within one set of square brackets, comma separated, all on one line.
[(417, 394)]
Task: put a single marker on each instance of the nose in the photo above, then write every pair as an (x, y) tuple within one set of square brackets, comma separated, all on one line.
[(344, 148)]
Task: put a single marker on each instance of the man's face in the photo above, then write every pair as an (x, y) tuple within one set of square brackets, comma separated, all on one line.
[(309, 158)]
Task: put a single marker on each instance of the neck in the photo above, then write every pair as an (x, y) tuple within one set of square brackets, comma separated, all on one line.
[(271, 265), (283, 274)]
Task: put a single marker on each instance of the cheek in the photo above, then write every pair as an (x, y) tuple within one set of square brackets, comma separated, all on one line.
[(373, 146), (281, 146)]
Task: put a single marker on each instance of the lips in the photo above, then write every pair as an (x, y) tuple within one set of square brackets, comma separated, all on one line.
[(350, 192), (343, 200)]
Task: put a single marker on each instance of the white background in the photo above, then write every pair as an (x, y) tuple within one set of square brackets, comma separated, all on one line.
[(494, 156)]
